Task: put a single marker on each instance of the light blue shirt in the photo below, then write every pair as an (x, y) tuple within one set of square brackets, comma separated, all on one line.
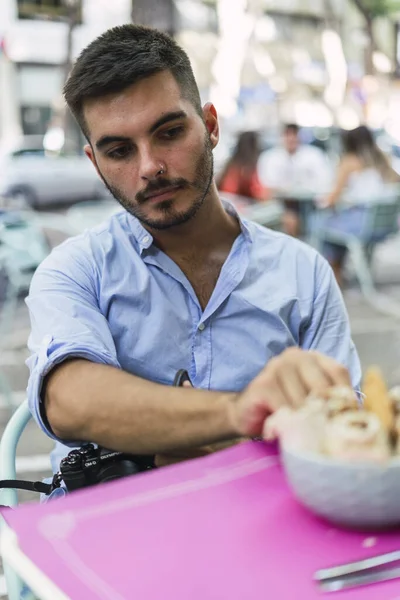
[(111, 296)]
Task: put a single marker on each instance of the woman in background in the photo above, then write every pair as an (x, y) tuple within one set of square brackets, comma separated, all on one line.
[(364, 175), (240, 176)]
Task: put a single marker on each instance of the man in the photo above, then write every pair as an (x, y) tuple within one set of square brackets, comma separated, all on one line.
[(176, 280), (294, 167)]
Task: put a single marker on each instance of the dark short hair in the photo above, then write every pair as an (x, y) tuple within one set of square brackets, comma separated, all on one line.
[(291, 128), (121, 57)]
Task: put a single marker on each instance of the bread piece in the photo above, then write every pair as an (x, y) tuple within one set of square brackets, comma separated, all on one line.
[(357, 435), (340, 400), (377, 398), (298, 430), (336, 399)]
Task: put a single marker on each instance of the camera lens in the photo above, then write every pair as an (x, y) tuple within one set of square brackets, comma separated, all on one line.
[(116, 470)]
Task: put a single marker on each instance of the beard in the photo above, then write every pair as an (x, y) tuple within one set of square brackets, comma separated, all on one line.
[(169, 215)]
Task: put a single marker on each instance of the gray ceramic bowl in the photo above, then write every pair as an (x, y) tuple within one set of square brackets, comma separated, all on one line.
[(357, 495)]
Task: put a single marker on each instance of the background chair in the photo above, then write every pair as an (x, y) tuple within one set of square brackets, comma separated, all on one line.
[(23, 246), (380, 222), (9, 497), (268, 213)]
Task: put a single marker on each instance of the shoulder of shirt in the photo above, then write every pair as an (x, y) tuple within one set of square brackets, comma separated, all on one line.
[(289, 253), (285, 245)]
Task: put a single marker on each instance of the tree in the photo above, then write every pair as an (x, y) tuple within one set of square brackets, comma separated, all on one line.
[(371, 10)]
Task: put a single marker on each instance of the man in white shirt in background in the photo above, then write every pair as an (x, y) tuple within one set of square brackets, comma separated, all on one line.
[(294, 167)]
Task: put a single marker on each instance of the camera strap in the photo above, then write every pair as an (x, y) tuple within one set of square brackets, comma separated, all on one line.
[(32, 486)]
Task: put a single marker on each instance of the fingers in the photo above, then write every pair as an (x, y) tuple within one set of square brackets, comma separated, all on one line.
[(292, 385), (337, 373), (275, 394), (285, 381), (293, 375), (315, 375), (187, 384)]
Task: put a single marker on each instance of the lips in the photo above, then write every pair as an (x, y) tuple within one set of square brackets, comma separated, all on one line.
[(163, 192)]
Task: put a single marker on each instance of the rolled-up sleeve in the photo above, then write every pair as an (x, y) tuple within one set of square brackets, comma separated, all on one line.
[(328, 328), (65, 319)]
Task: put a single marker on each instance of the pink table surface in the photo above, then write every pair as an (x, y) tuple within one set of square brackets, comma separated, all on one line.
[(221, 527)]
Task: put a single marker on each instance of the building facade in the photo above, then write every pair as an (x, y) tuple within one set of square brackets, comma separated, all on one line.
[(34, 50), (260, 61)]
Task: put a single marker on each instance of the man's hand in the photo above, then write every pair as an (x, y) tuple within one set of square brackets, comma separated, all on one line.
[(285, 381)]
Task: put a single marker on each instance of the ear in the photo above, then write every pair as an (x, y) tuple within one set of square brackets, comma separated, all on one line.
[(211, 122), (90, 154)]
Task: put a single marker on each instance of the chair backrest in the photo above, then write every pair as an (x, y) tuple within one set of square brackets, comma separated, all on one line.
[(8, 451), (8, 497), (381, 218)]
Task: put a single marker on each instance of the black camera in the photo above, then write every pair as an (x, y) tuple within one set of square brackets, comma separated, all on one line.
[(90, 466)]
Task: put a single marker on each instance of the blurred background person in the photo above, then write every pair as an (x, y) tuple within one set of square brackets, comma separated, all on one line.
[(294, 167), (240, 176), (364, 175)]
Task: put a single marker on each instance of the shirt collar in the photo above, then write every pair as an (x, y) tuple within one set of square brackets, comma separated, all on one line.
[(145, 239)]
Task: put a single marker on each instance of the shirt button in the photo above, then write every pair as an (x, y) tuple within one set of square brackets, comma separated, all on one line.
[(201, 327), (146, 239)]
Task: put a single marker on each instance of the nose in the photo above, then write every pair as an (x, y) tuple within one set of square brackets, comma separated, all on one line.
[(151, 166)]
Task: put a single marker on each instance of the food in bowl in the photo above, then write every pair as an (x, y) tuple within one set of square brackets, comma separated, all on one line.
[(342, 458), (337, 424)]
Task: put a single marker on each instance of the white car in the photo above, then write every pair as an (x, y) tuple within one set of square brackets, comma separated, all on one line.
[(32, 175)]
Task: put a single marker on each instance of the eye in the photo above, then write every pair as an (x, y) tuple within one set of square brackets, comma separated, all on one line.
[(119, 153), (172, 133)]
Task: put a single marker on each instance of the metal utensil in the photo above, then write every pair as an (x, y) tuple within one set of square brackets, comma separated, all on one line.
[(361, 572), (363, 578)]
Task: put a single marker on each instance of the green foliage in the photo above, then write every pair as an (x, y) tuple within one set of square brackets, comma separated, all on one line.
[(378, 8)]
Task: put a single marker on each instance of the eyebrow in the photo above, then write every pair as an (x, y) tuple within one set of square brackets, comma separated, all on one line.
[(105, 140), (171, 116)]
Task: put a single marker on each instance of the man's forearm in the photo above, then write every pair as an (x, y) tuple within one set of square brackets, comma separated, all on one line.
[(98, 403)]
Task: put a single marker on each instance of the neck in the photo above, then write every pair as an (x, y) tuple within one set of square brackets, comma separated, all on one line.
[(212, 228)]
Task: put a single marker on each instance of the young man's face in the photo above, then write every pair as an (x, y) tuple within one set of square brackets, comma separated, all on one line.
[(291, 140), (152, 150)]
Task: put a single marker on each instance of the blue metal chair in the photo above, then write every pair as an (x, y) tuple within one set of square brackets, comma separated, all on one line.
[(23, 246), (381, 221), (9, 497)]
